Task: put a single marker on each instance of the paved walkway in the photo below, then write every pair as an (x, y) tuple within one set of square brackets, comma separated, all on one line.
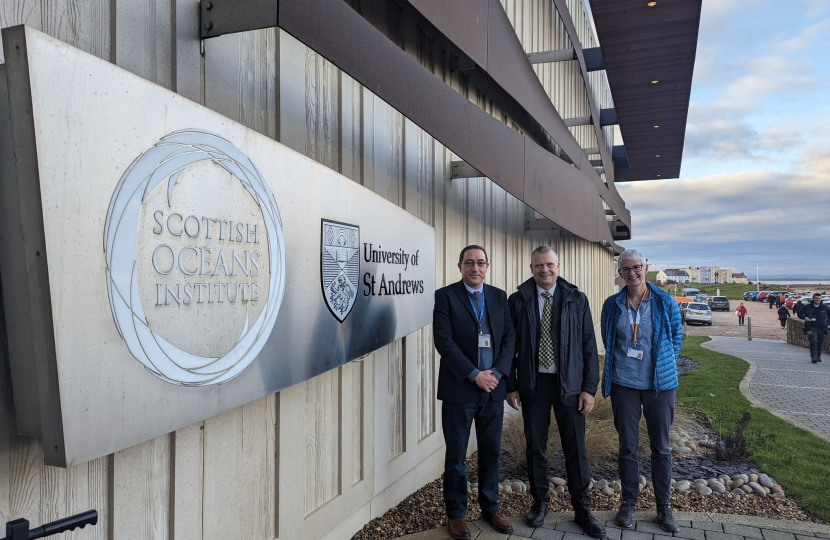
[(783, 380), (693, 526)]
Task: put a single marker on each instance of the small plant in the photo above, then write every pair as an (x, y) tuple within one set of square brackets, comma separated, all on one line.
[(734, 445)]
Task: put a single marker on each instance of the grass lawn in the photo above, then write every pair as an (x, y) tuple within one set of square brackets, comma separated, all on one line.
[(797, 459), (733, 291)]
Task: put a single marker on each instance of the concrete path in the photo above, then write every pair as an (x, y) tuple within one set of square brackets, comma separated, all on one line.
[(693, 526), (782, 380)]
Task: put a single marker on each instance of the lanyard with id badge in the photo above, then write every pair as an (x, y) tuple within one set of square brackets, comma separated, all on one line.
[(635, 351), (483, 339)]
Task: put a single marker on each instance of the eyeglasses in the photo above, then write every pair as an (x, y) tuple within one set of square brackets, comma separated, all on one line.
[(480, 264), (625, 270)]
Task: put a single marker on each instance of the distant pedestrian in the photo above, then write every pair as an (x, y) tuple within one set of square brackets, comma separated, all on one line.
[(816, 319), (770, 300), (741, 313), (783, 315)]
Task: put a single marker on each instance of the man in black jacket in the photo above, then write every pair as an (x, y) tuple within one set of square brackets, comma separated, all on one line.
[(816, 319), (556, 366), (474, 335)]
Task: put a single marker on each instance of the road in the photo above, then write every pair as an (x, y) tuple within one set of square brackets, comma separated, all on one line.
[(765, 323)]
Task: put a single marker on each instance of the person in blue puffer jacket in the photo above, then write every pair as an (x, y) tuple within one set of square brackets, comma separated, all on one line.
[(642, 333)]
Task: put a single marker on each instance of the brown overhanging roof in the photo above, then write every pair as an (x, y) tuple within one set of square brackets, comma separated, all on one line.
[(641, 44), (569, 195)]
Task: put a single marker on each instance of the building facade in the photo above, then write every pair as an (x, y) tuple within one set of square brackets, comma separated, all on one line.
[(723, 275), (321, 458), (739, 278), (694, 274)]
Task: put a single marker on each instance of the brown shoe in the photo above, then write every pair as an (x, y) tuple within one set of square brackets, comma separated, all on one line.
[(458, 529), (498, 522)]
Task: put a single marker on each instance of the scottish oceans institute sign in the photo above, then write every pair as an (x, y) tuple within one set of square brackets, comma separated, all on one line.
[(165, 264)]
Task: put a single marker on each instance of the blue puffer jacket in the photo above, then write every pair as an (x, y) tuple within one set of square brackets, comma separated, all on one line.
[(668, 336)]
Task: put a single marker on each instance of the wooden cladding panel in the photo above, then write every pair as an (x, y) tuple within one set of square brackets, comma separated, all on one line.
[(396, 401), (322, 439)]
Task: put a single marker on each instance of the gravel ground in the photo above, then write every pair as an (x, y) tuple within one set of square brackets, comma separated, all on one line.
[(424, 509)]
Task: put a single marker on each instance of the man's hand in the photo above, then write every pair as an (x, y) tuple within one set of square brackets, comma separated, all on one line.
[(513, 400), (586, 403), (486, 381)]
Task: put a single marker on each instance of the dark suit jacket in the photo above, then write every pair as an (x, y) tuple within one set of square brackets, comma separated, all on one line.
[(572, 330), (455, 331)]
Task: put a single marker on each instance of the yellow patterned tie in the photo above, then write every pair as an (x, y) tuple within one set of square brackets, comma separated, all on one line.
[(545, 342)]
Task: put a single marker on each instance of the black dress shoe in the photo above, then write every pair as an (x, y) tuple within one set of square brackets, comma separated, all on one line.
[(536, 516), (590, 525)]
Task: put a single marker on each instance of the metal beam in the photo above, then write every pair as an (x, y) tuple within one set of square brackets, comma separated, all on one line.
[(534, 221), (596, 162), (462, 169), (594, 61), (578, 121), (608, 117), (221, 17), (620, 157), (547, 57), (592, 151)]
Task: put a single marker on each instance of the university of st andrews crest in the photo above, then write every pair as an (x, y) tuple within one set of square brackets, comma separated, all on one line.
[(340, 266)]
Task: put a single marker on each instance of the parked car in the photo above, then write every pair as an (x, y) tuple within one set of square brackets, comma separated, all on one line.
[(754, 296), (748, 294), (719, 302), (699, 312), (683, 306)]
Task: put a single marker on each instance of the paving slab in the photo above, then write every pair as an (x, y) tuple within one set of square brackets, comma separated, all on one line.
[(742, 530), (783, 380)]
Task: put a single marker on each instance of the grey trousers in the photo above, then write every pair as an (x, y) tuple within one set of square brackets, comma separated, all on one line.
[(627, 406)]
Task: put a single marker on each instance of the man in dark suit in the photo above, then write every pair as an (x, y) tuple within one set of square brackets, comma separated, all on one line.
[(556, 366), (474, 335)]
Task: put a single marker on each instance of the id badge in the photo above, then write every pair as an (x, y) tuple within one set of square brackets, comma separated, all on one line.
[(635, 353), (484, 340)]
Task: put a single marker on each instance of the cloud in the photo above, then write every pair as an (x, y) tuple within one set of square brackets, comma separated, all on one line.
[(732, 220)]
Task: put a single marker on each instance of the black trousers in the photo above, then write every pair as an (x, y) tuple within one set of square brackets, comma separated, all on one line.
[(571, 423), (740, 320), (627, 406), (816, 341), (456, 419)]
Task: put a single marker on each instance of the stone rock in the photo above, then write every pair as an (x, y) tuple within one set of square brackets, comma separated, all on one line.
[(691, 446), (746, 489), (700, 482), (743, 477), (737, 491), (704, 490), (560, 489), (777, 495), (501, 488), (508, 489), (777, 489), (601, 484), (673, 481), (752, 477), (558, 481), (607, 491), (591, 484), (766, 489), (765, 481), (518, 487), (642, 479), (738, 482), (717, 487), (684, 450), (642, 487), (757, 489), (683, 485), (650, 484)]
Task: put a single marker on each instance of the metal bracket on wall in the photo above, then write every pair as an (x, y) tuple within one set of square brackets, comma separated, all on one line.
[(219, 17), (462, 169), (534, 221), (594, 60)]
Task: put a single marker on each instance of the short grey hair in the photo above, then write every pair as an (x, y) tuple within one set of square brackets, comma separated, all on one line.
[(631, 255), (541, 250)]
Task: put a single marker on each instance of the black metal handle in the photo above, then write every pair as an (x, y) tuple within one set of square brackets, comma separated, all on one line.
[(19, 528)]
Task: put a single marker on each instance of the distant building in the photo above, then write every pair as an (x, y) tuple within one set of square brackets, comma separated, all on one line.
[(739, 278), (694, 274), (723, 275), (673, 274), (707, 275)]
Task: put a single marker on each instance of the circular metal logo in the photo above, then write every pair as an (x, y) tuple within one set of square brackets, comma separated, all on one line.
[(166, 161)]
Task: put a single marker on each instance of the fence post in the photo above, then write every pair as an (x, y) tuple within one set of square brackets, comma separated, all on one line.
[(749, 327)]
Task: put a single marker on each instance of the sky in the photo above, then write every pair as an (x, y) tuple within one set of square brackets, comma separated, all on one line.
[(755, 179)]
